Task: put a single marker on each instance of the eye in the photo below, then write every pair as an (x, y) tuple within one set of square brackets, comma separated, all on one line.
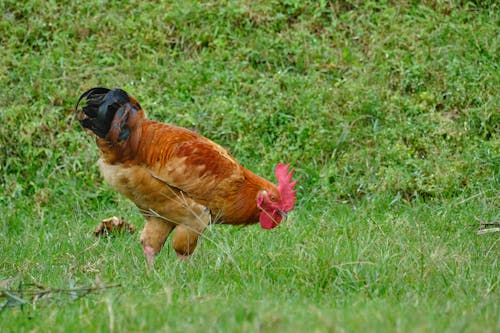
[(272, 197)]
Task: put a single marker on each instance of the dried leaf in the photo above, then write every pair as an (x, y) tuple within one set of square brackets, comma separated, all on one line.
[(113, 225)]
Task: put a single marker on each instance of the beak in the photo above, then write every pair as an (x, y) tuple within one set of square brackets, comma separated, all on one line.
[(283, 214)]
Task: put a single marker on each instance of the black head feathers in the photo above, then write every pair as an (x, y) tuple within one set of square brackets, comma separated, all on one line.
[(102, 105)]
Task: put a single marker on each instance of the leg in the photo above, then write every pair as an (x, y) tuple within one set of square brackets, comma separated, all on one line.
[(184, 241), (153, 236), (186, 235), (188, 218)]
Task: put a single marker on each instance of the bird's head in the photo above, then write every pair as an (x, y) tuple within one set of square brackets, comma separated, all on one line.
[(107, 112), (274, 202)]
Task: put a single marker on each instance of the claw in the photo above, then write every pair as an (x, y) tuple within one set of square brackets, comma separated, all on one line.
[(149, 252), (182, 257)]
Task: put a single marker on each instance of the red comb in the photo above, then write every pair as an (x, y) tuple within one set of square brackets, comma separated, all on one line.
[(285, 187)]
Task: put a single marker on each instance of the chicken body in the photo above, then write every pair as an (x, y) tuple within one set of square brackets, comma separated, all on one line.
[(180, 180)]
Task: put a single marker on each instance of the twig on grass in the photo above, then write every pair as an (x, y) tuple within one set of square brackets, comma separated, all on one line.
[(487, 230), (61, 290), (22, 296), (485, 227)]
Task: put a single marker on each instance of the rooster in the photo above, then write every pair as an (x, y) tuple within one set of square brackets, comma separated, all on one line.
[(179, 180)]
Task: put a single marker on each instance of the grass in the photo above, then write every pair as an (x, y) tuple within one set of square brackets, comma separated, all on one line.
[(389, 113)]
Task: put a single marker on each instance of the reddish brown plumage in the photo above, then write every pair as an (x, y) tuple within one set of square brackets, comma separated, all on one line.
[(175, 176), (194, 165)]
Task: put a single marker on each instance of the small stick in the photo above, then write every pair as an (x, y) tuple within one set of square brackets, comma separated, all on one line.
[(487, 231), (6, 293)]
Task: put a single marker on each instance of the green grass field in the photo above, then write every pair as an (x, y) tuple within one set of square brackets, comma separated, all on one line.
[(389, 114)]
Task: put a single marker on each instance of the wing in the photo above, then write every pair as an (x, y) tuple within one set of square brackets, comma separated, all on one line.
[(191, 163)]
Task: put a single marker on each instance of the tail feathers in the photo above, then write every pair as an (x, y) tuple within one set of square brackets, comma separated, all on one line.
[(102, 105)]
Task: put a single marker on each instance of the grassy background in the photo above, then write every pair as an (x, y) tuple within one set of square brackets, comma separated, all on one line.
[(389, 113)]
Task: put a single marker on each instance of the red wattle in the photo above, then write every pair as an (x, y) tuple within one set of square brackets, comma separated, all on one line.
[(269, 220)]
